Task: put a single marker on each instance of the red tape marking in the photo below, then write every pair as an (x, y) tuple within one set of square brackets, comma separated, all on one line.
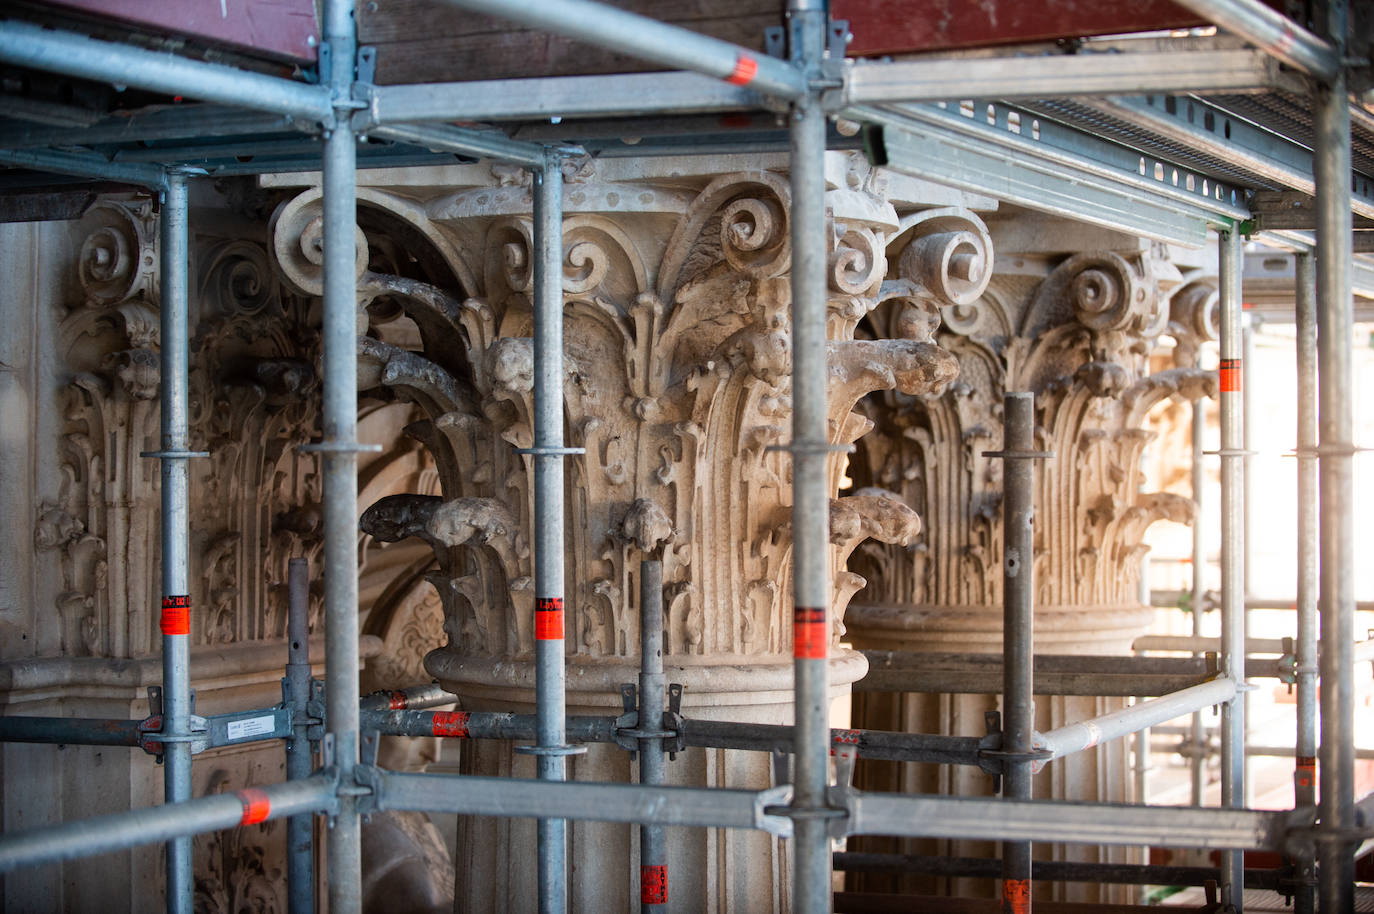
[(746, 68), (397, 701), (1306, 771), (1230, 376), (176, 615), (450, 723), (548, 618), (810, 634), (256, 806), (1016, 896), (1286, 41), (839, 739), (653, 885)]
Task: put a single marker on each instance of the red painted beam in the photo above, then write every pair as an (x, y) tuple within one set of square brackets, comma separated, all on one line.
[(274, 28), (901, 26)]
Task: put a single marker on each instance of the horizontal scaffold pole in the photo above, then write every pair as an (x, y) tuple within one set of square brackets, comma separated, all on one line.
[(648, 39), (1059, 75), (1272, 31), (620, 95), (158, 824), (1086, 734), (72, 54)]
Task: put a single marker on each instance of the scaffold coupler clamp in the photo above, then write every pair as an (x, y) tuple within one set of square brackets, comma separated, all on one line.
[(844, 749), (628, 731), (315, 713), (991, 757), (151, 739), (835, 812), (366, 789), (673, 720)]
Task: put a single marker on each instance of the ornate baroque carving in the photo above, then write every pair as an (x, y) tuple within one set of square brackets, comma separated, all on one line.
[(677, 385), (252, 401), (1079, 340)]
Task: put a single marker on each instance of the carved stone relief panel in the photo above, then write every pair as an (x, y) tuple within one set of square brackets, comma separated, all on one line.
[(253, 396)]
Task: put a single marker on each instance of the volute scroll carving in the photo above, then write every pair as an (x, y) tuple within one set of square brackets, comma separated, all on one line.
[(944, 255), (297, 232), (118, 258), (1194, 319)]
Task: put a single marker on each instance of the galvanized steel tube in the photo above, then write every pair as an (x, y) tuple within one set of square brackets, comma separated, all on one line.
[(1305, 763), (104, 834), (651, 40), (300, 845), (71, 731), (1050, 870), (653, 850), (412, 698), (810, 493), (1018, 643), (71, 54), (550, 699), (85, 166), (1084, 735), (484, 143), (339, 446), (998, 819), (1232, 549), (1336, 865), (1197, 767), (176, 600), (467, 795), (1271, 31)]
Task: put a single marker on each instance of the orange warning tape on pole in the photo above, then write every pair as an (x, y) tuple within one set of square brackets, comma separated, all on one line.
[(1230, 376), (810, 634), (548, 619), (746, 68), (176, 615), (257, 806)]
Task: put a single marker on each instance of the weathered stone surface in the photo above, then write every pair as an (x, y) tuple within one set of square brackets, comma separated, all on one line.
[(1077, 332), (677, 385)]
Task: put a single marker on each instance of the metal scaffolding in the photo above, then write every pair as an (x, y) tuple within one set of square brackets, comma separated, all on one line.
[(810, 810)]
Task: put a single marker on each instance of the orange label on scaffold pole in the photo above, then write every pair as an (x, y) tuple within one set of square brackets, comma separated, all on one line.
[(450, 723), (1306, 773), (397, 701), (256, 806), (1016, 896), (653, 885), (810, 633), (1230, 376), (176, 615), (746, 68), (548, 618)]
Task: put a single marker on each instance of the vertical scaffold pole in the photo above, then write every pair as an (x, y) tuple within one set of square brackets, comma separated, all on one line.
[(176, 600), (548, 452), (300, 845), (1232, 554), (1197, 760), (653, 851), (1248, 327), (340, 455), (1336, 870), (1305, 768), (810, 452), (1018, 644)]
